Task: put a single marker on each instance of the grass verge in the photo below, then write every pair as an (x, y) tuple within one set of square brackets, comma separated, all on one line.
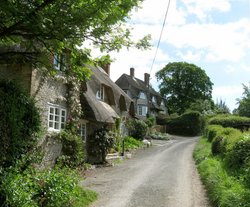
[(223, 190)]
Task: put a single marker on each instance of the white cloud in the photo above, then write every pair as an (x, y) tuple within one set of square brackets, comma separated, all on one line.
[(202, 8), (229, 94)]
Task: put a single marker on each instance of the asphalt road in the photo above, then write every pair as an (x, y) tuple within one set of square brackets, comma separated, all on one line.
[(163, 175)]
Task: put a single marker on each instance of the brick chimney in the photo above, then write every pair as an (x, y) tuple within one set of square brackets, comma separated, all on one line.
[(146, 79), (132, 72), (106, 68)]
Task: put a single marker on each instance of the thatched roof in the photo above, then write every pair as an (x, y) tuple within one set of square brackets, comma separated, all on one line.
[(115, 103)]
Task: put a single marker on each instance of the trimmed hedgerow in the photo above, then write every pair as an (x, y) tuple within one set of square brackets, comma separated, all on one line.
[(188, 124), (19, 122), (241, 123)]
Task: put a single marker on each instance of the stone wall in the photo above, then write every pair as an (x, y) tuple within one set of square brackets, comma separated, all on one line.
[(48, 90), (19, 73)]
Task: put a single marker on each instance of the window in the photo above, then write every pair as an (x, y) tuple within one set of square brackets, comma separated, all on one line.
[(154, 99), (56, 117), (142, 95), (162, 103), (142, 110), (59, 62), (83, 131), (100, 93)]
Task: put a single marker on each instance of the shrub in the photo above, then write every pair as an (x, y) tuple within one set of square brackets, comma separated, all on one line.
[(239, 156), (137, 128), (159, 136), (19, 122), (212, 131), (98, 145), (73, 153), (189, 124), (131, 143), (31, 188), (241, 123), (217, 145)]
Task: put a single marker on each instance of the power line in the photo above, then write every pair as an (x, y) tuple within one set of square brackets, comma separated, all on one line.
[(158, 44)]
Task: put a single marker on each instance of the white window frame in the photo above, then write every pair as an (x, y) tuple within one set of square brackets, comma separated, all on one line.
[(100, 93), (56, 61), (142, 95), (142, 110), (57, 116), (154, 99), (83, 131)]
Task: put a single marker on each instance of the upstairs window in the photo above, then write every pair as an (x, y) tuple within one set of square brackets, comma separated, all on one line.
[(56, 117), (142, 110), (162, 103), (154, 99), (59, 62), (142, 95), (100, 93)]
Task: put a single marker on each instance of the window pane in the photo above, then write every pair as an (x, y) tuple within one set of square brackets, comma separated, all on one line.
[(63, 113), (51, 124), (51, 117), (57, 118), (57, 111), (56, 125), (51, 110)]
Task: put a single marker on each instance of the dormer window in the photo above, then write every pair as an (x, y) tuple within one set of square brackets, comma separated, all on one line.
[(100, 93), (154, 99), (162, 103), (142, 95)]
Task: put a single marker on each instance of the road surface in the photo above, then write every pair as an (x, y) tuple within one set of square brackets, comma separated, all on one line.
[(163, 175)]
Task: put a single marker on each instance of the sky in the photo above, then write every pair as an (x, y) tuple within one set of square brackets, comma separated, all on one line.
[(212, 34)]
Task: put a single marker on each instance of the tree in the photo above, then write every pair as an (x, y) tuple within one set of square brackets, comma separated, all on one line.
[(244, 102), (221, 108), (183, 84), (39, 28)]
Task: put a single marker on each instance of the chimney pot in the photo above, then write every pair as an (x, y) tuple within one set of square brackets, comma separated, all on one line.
[(106, 68), (146, 79), (132, 72)]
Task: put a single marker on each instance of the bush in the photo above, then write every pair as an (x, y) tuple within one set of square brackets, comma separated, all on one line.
[(31, 188), (73, 153), (160, 136), (217, 145), (212, 131), (239, 156), (19, 122), (131, 143), (241, 123), (224, 190), (137, 128), (98, 145), (189, 124)]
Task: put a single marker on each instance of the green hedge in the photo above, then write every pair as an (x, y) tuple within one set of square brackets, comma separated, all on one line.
[(241, 123), (189, 124), (19, 121)]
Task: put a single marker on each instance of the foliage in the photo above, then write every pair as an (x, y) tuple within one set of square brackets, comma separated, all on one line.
[(221, 108), (131, 143), (41, 28), (33, 188), (231, 121), (182, 84), (73, 153), (159, 136), (244, 102), (239, 156), (205, 107), (188, 124), (224, 190), (137, 128), (99, 143), (20, 121)]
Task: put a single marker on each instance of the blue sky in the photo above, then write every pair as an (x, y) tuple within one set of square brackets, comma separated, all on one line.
[(212, 34)]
